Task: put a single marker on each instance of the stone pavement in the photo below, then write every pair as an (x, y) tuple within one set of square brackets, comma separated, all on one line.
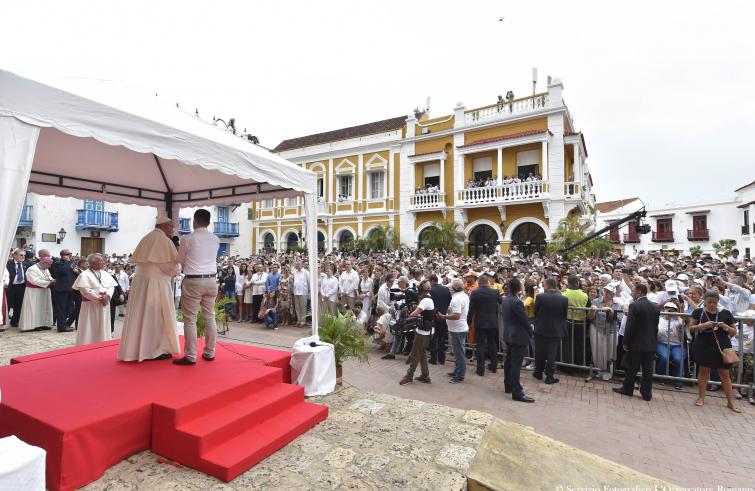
[(668, 438)]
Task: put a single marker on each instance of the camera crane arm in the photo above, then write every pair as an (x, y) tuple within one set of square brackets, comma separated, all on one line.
[(637, 215)]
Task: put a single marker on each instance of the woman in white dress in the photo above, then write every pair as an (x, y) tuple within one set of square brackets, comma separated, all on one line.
[(248, 296), (365, 290)]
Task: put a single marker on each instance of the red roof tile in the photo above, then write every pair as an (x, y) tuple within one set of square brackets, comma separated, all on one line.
[(425, 153), (507, 137), (609, 206), (342, 134)]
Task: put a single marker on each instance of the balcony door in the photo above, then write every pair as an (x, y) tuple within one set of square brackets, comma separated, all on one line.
[(663, 227), (699, 223), (528, 163), (223, 214)]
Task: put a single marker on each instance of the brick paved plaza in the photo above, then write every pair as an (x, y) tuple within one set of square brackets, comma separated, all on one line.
[(668, 438)]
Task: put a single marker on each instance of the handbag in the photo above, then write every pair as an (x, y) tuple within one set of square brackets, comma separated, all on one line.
[(729, 355)]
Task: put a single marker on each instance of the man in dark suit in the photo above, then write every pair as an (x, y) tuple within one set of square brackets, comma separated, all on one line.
[(483, 312), (16, 283), (517, 332), (62, 292), (550, 327), (640, 339), (441, 296)]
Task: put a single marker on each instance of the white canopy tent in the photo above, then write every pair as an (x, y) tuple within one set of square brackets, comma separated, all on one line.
[(95, 139)]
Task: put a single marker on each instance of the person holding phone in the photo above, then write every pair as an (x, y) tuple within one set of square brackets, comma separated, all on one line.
[(713, 330)]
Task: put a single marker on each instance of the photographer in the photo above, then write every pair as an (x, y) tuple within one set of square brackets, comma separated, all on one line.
[(426, 311)]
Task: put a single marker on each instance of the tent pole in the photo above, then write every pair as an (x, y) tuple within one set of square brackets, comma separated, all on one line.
[(310, 219), (168, 191)]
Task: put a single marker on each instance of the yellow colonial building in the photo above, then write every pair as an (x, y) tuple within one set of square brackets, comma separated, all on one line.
[(506, 173)]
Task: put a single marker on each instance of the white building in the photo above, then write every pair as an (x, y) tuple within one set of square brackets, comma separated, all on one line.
[(88, 226), (682, 226)]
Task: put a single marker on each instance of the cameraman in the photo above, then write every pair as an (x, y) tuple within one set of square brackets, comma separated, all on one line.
[(426, 311)]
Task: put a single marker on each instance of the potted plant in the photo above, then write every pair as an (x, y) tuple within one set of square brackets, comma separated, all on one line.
[(220, 315), (347, 337)]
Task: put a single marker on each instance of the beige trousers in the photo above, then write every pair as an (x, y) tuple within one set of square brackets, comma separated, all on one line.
[(196, 292), (300, 306)]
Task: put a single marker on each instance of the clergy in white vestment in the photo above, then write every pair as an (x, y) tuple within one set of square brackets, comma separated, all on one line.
[(149, 330), (96, 287), (36, 311)]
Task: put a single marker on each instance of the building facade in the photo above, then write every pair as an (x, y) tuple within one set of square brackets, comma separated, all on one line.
[(87, 226), (408, 172), (683, 226)]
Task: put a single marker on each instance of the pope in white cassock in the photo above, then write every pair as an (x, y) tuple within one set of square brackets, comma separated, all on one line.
[(149, 329), (96, 287), (36, 311)]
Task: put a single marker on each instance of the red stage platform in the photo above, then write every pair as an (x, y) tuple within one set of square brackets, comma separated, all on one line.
[(89, 411)]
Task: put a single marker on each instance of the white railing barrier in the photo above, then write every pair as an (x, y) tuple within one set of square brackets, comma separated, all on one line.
[(428, 200), (506, 108), (506, 192)]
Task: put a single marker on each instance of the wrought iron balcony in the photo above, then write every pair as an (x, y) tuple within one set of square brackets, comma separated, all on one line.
[(698, 234), (226, 229), (106, 221), (663, 236), (506, 193), (632, 238), (27, 217), (427, 201), (184, 226)]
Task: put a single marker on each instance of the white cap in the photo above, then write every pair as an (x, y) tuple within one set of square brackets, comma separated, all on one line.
[(683, 277), (610, 287), (671, 286), (162, 219), (670, 305)]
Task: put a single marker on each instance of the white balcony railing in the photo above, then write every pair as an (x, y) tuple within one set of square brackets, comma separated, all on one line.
[(505, 109), (422, 201), (519, 191)]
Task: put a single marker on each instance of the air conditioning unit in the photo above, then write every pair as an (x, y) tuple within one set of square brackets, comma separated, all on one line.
[(425, 131)]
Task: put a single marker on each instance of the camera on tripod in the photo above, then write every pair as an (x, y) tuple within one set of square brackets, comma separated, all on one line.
[(404, 302)]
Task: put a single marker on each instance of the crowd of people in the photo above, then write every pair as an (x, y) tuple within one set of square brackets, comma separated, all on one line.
[(673, 311), (490, 181)]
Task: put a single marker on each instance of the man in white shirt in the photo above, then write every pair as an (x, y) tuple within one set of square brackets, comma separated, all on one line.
[(197, 256), (384, 292), (329, 290), (348, 283), (425, 310), (456, 320), (122, 278), (301, 293)]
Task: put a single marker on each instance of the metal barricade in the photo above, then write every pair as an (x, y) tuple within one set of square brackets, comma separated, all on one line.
[(587, 341)]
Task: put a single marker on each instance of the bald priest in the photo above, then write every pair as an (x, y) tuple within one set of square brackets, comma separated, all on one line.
[(149, 328)]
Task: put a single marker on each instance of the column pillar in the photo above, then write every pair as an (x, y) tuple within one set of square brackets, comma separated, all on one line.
[(577, 165), (360, 227), (442, 175), (279, 241), (360, 181), (500, 166), (544, 160), (330, 182), (389, 175), (329, 238)]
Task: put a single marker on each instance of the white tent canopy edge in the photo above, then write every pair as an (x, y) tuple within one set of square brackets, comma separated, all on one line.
[(96, 140)]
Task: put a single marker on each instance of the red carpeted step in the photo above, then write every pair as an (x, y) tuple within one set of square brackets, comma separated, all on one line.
[(237, 455), (215, 427), (213, 400)]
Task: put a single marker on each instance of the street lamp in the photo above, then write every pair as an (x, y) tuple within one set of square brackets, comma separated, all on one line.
[(61, 234)]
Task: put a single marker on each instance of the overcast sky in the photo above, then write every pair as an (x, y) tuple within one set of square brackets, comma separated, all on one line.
[(664, 91)]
